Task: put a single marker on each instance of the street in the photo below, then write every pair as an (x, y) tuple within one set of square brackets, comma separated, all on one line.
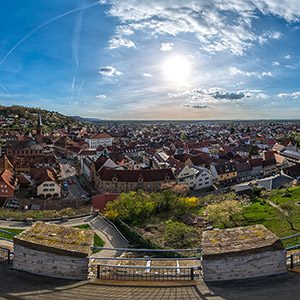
[(69, 173)]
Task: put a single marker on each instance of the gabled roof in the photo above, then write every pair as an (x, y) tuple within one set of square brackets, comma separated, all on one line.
[(145, 175), (9, 178), (41, 175), (5, 164)]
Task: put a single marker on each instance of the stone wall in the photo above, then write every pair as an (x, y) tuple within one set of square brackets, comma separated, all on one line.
[(242, 265), (50, 264)]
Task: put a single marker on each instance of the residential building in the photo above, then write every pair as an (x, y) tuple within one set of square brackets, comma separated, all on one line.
[(203, 179), (118, 181), (99, 139)]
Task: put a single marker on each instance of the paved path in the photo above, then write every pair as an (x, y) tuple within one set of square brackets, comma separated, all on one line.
[(111, 237)]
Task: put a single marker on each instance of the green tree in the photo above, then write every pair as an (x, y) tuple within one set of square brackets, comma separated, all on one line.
[(225, 214), (288, 212), (179, 235)]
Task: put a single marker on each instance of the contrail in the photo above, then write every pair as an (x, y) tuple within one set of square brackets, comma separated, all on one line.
[(80, 88), (41, 26), (76, 43), (5, 90)]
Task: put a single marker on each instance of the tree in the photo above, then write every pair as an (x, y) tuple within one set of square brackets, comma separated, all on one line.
[(179, 235), (288, 213), (225, 214)]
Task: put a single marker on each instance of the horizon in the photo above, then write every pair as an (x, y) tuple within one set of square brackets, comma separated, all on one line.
[(153, 61)]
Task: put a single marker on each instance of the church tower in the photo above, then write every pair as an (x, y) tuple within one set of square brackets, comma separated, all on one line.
[(39, 125)]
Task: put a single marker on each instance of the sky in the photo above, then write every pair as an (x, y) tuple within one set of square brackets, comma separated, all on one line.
[(142, 59)]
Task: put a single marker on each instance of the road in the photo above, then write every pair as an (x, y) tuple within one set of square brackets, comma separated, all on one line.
[(69, 172)]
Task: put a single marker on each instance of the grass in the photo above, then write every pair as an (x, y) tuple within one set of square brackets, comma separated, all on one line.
[(98, 242), (41, 214), (261, 212), (7, 235)]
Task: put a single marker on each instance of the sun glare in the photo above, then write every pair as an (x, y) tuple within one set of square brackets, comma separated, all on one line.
[(177, 69)]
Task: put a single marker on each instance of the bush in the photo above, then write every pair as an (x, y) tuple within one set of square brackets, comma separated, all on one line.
[(137, 207), (179, 235)]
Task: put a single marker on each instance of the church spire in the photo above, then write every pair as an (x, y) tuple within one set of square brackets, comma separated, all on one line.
[(39, 124)]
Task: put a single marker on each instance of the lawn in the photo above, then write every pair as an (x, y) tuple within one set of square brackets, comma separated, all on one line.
[(98, 242), (260, 212), (7, 235)]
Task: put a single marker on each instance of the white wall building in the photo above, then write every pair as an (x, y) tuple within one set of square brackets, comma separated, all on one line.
[(49, 189), (99, 139), (203, 179), (187, 176)]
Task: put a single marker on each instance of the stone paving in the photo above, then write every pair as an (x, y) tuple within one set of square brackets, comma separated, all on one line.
[(20, 285)]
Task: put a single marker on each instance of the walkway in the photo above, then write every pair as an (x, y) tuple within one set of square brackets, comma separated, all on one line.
[(20, 285), (111, 236)]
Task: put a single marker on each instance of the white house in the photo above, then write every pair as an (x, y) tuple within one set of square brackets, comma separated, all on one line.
[(187, 176), (99, 139), (203, 179), (47, 185)]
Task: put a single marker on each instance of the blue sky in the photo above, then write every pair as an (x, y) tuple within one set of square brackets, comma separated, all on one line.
[(119, 59)]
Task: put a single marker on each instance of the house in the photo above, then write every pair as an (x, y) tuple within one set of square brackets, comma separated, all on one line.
[(117, 181), (102, 161), (187, 176), (293, 171), (203, 179), (224, 173), (46, 182), (276, 182), (8, 183), (244, 171), (99, 139), (5, 164), (257, 166), (269, 167)]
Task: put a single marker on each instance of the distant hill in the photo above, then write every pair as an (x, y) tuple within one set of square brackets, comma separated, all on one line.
[(81, 119)]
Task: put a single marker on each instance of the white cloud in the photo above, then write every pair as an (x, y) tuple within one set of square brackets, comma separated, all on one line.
[(217, 95), (109, 71), (147, 75), (166, 46), (235, 71), (101, 96), (269, 35), (275, 63), (288, 56), (289, 95), (118, 41), (216, 25)]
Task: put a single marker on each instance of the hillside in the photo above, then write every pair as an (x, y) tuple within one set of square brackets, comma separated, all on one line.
[(21, 117)]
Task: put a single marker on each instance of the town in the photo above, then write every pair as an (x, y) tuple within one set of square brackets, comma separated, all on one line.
[(70, 165)]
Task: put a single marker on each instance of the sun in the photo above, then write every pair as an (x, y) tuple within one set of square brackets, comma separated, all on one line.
[(177, 69)]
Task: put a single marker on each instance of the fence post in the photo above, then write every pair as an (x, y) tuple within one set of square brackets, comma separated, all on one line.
[(98, 271), (292, 261), (8, 256), (192, 273)]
